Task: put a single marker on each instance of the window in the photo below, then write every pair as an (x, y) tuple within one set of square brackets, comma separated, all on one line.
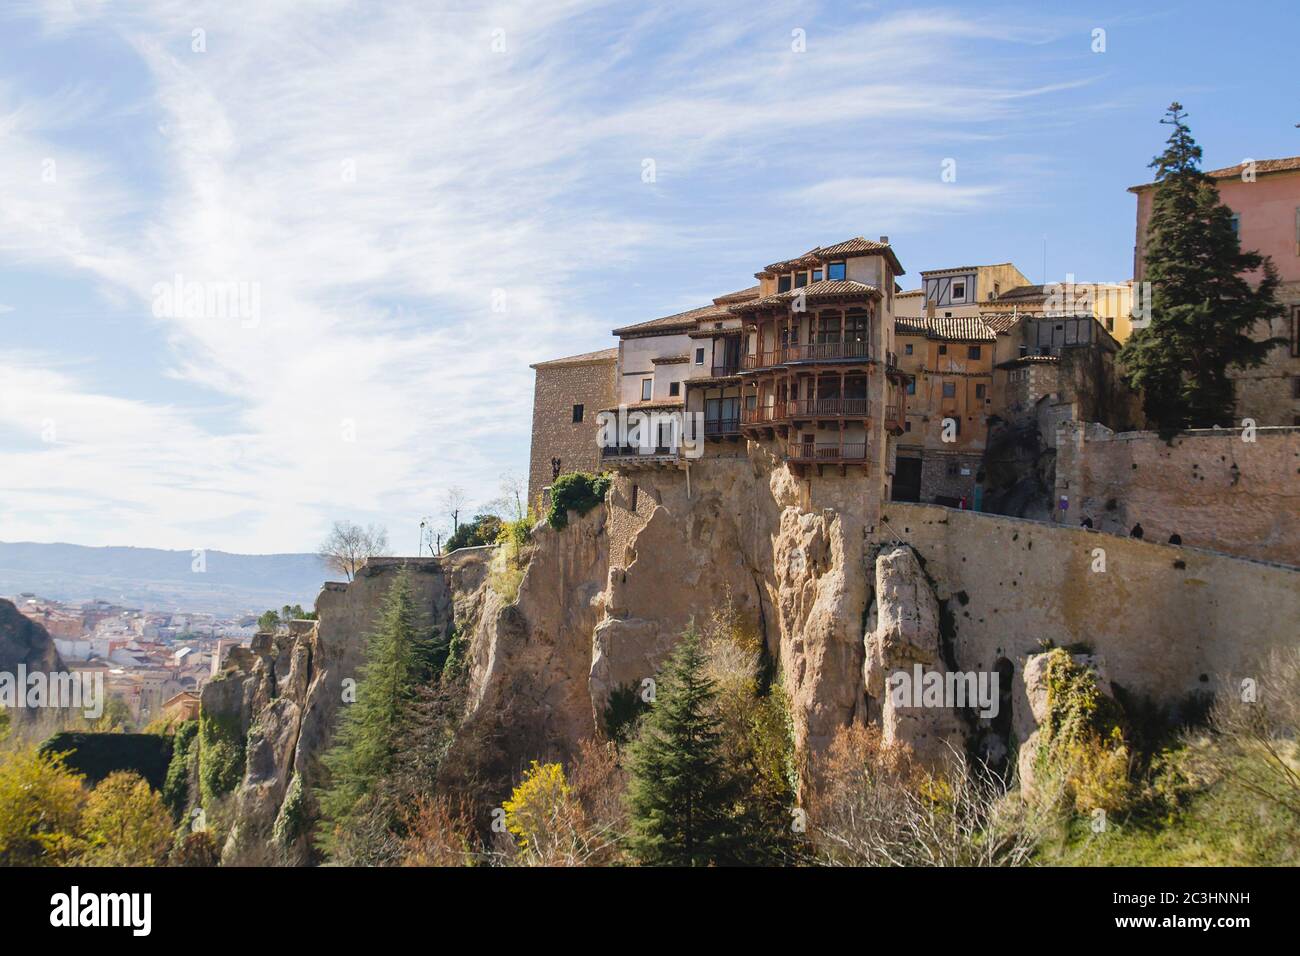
[(952, 468), (577, 414), (947, 315), (647, 389), (817, 275), (634, 491), (907, 426), (949, 389), (783, 284), (980, 390), (959, 291), (997, 289), (1295, 330), (800, 279), (837, 270), (1110, 323), (972, 351), (674, 389), (1295, 386), (1236, 224), (943, 350), (699, 356), (911, 387)]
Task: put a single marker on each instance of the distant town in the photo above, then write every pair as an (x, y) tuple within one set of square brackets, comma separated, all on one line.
[(154, 663)]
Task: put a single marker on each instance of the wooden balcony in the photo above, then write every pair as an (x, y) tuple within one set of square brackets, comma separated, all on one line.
[(828, 352), (749, 363), (827, 453), (721, 427), (762, 415), (725, 371), (895, 418), (808, 408)]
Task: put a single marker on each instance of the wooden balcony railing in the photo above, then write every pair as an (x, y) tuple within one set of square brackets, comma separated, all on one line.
[(634, 451), (895, 418), (827, 452), (761, 360), (827, 408), (762, 415), (722, 371), (827, 351), (721, 427)]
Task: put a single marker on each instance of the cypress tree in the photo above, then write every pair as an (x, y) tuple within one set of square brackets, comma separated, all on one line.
[(681, 797), (397, 657), (1202, 308)]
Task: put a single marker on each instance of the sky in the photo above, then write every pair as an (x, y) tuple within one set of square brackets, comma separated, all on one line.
[(390, 210)]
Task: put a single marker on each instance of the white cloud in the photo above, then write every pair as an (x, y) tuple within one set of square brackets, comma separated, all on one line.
[(377, 171)]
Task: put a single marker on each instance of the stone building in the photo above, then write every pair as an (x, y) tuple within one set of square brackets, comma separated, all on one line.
[(567, 396), (802, 363), (1265, 199)]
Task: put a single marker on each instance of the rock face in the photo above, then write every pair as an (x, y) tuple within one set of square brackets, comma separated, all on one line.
[(905, 642), (286, 690), (1032, 687), (23, 641)]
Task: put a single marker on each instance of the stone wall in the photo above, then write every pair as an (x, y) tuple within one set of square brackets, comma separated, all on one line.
[(560, 385), (1170, 622), (1208, 486), (1268, 394)]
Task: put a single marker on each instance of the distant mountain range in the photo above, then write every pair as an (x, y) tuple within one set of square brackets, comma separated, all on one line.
[(152, 579)]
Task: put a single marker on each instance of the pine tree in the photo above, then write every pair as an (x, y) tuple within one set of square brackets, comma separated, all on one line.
[(397, 659), (681, 796), (1202, 308)]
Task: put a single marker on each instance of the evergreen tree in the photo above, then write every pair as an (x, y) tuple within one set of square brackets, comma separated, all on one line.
[(1202, 308), (681, 797), (397, 661)]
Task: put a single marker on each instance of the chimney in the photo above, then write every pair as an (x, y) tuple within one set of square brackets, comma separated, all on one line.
[(929, 309), (884, 240)]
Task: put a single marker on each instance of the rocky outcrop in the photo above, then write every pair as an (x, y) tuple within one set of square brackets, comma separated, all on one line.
[(24, 641), (904, 646), (284, 694), (1033, 688)]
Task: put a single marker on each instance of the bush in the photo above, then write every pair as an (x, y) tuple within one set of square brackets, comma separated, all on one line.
[(198, 848), (126, 823), (221, 756), (483, 530), (40, 808), (176, 785), (575, 491)]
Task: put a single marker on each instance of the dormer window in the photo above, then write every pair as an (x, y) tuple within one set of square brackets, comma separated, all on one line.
[(783, 284), (800, 280), (836, 271), (817, 275), (959, 291)]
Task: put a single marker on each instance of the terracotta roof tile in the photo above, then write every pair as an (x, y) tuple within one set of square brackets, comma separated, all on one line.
[(849, 248), (813, 290), (1000, 322), (679, 320), (1262, 167), (967, 328)]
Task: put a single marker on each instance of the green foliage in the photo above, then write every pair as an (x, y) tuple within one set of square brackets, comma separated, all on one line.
[(681, 795), (397, 658), (483, 530), (575, 491), (457, 649), (1203, 310), (623, 712), (40, 808), (176, 785), (221, 756), (273, 620), (126, 823), (293, 819)]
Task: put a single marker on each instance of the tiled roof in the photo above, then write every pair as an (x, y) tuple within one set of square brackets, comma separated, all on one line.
[(586, 358), (899, 295), (935, 272), (741, 296), (968, 328), (679, 320), (848, 249), (813, 290), (1024, 292), (1029, 360), (1000, 322), (1262, 167)]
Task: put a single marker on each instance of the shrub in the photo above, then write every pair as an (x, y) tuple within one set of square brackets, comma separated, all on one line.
[(623, 712), (539, 807), (221, 756), (198, 848), (40, 808), (292, 820), (126, 823), (484, 529), (575, 491), (176, 785)]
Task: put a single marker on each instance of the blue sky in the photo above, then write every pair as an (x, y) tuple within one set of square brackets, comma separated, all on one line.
[(424, 199)]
